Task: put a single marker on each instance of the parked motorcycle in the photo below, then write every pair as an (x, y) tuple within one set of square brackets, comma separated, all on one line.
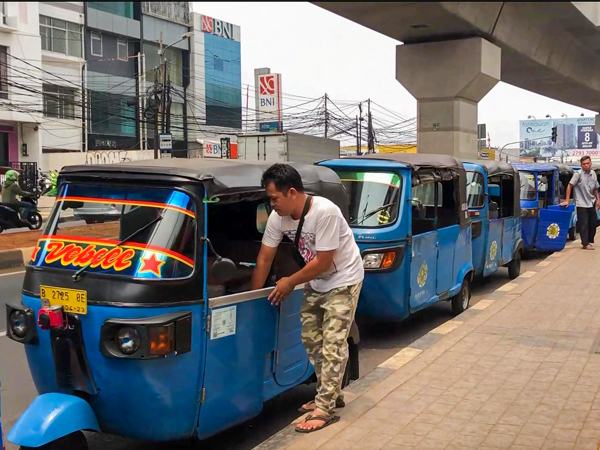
[(47, 183)]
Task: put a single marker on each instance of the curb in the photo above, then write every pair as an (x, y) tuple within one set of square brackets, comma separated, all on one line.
[(375, 385), (10, 259)]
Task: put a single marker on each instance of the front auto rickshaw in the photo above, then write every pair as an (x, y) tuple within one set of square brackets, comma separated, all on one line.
[(145, 326), (409, 216), (495, 210), (545, 223)]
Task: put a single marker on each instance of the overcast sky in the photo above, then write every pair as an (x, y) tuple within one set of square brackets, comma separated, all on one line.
[(317, 51)]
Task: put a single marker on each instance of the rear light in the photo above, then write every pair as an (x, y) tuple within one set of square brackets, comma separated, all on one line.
[(149, 338), (383, 259), (530, 212), (52, 318)]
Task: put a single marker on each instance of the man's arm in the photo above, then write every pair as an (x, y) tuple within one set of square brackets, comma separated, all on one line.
[(264, 260), (309, 272), (20, 191)]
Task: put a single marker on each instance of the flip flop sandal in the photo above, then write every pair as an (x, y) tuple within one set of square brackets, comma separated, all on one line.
[(327, 419), (339, 403)]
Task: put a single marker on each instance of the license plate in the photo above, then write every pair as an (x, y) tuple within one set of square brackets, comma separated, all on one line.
[(72, 300)]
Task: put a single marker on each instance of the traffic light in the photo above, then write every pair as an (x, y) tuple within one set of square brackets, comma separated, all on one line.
[(554, 134)]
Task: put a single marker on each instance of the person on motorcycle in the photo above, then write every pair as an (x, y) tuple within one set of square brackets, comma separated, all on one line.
[(10, 190)]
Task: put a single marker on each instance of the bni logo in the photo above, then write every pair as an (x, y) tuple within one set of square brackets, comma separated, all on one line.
[(267, 85), (207, 24)]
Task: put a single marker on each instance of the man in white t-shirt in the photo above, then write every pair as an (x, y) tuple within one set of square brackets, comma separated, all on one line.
[(334, 271)]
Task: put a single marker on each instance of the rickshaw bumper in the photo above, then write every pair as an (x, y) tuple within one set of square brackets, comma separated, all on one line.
[(51, 417)]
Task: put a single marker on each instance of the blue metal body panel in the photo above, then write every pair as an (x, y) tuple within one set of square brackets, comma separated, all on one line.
[(50, 417), (434, 263)]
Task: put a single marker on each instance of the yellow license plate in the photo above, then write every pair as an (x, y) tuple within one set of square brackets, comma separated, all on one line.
[(72, 300)]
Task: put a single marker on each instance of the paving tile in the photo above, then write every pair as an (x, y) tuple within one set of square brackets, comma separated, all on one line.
[(430, 444), (443, 435), (533, 429), (378, 413), (513, 430), (439, 408), (337, 444), (533, 442), (476, 429), (468, 441), (589, 434), (586, 444), (406, 439), (391, 446), (400, 418), (375, 440), (428, 418), (418, 429), (489, 418), (498, 441), (558, 445)]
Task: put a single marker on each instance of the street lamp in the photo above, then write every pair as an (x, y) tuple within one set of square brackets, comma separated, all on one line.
[(531, 117), (563, 115), (582, 114), (548, 116), (161, 51)]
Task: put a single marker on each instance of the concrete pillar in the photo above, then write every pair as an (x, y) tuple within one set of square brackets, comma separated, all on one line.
[(448, 79)]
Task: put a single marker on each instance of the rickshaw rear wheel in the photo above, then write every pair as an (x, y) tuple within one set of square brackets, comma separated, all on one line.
[(514, 267), (73, 441), (460, 302)]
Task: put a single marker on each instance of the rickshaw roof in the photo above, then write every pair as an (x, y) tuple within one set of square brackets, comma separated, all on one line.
[(416, 160), (565, 168), (219, 176), (495, 167), (534, 167)]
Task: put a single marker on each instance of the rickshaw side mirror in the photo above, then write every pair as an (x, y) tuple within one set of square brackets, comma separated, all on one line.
[(223, 270), (262, 216)]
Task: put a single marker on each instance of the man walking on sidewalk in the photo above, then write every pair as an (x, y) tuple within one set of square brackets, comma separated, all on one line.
[(585, 186), (331, 264)]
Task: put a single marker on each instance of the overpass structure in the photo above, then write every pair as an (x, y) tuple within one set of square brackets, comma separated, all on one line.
[(454, 53)]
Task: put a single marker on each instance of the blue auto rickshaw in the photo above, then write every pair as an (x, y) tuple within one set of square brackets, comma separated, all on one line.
[(545, 223), (139, 327), (565, 173), (409, 216), (494, 207)]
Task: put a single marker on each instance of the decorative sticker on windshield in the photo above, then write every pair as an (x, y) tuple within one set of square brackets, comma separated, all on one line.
[(116, 201), (102, 256)]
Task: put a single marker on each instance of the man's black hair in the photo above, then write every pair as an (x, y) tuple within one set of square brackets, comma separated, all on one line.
[(284, 177), (584, 158)]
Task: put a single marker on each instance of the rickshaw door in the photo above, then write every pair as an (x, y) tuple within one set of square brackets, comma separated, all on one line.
[(291, 361), (493, 249), (509, 237), (423, 269), (553, 227)]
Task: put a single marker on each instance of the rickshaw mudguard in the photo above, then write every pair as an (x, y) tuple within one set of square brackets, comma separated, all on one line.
[(51, 417), (553, 228)]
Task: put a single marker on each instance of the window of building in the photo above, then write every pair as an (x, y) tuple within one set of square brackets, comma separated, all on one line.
[(218, 63), (59, 102), (59, 36), (3, 11), (122, 50), (96, 43), (123, 9), (3, 73), (113, 114)]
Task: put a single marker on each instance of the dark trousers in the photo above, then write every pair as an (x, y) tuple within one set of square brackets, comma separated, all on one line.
[(586, 218)]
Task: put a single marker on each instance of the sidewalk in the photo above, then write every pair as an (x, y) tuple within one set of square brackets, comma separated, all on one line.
[(517, 371)]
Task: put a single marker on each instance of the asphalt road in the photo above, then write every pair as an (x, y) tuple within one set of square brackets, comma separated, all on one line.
[(378, 343)]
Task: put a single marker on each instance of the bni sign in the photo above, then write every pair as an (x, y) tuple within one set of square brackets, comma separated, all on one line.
[(217, 27), (269, 98)]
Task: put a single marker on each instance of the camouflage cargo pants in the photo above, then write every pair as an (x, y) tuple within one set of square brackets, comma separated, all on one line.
[(326, 320)]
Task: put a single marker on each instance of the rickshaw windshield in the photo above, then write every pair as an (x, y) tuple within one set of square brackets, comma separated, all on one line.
[(528, 189), (158, 227), (475, 193), (373, 197)]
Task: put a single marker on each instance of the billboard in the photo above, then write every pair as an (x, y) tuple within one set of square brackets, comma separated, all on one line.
[(575, 137), (269, 100)]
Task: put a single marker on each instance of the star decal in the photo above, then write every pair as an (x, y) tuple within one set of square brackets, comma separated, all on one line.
[(151, 264), (35, 253)]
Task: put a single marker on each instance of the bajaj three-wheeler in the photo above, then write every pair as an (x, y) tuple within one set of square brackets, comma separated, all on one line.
[(145, 327), (495, 210), (545, 223), (409, 216)]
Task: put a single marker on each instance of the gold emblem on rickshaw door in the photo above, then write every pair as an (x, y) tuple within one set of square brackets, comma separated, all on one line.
[(493, 250), (553, 230), (422, 277)]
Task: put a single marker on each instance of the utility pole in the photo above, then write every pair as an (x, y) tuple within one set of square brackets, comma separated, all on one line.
[(358, 152), (371, 134), (326, 116), (360, 119), (158, 107)]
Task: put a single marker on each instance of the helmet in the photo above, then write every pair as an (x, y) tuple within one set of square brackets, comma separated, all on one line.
[(11, 176)]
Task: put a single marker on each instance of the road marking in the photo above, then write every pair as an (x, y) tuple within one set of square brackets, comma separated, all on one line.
[(11, 273), (507, 287), (482, 304), (2, 333), (401, 358), (528, 274), (543, 263), (447, 327)]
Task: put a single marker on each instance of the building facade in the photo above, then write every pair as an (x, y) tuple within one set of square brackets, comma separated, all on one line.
[(79, 81)]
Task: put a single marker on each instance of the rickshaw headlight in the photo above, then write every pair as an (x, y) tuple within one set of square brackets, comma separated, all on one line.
[(128, 340), (18, 323), (379, 260)]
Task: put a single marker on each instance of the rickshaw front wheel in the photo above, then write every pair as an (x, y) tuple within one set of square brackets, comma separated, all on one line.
[(460, 302), (73, 441)]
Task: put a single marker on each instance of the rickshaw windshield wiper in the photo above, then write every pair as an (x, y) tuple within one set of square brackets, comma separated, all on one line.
[(77, 274), (371, 213)]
